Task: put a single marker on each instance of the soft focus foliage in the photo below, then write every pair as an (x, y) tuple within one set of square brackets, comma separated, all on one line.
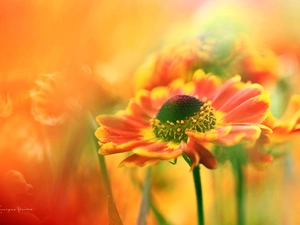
[(61, 60)]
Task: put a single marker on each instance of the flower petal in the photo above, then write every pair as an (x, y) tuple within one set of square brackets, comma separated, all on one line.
[(240, 133), (199, 154), (144, 100), (209, 136), (207, 158), (226, 91), (112, 148), (141, 105), (159, 150), (264, 129), (206, 85), (259, 159), (137, 160), (105, 135), (253, 110), (227, 135), (119, 123), (193, 155), (241, 96), (290, 121), (159, 96)]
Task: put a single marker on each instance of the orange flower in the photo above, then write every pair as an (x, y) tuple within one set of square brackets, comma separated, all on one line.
[(49, 99), (260, 66), (284, 129), (54, 93), (171, 63), (166, 122), (209, 52), (289, 124)]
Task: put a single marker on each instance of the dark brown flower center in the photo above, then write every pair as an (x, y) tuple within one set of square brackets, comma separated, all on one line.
[(181, 113)]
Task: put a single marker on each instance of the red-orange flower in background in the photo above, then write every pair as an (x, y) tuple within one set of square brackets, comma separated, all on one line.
[(260, 66), (209, 52), (285, 129), (222, 55), (49, 99), (185, 118), (73, 88), (288, 126)]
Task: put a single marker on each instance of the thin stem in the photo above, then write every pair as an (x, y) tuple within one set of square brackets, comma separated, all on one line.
[(239, 191), (198, 189), (93, 127), (113, 214), (158, 215), (142, 217), (104, 173)]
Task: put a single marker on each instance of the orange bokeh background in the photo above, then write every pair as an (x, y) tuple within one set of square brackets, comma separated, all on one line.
[(98, 46)]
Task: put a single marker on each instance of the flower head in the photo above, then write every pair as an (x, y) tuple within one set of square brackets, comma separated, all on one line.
[(49, 99), (212, 53), (185, 118), (260, 66), (54, 94)]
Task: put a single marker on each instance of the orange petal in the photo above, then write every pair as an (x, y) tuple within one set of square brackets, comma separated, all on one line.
[(105, 134), (239, 133), (292, 108), (270, 120), (158, 150), (112, 148), (145, 101), (198, 154), (209, 136), (226, 91), (159, 96), (121, 123), (207, 159), (254, 110), (193, 155), (264, 129), (137, 160), (241, 96), (135, 109), (290, 121), (205, 84), (259, 159)]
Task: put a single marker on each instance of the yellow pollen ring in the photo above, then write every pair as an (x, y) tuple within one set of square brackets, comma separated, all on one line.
[(201, 121)]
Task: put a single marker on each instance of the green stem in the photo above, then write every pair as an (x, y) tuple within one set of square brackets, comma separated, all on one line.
[(198, 189), (142, 217), (93, 127), (113, 214), (158, 215), (104, 173), (239, 191)]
